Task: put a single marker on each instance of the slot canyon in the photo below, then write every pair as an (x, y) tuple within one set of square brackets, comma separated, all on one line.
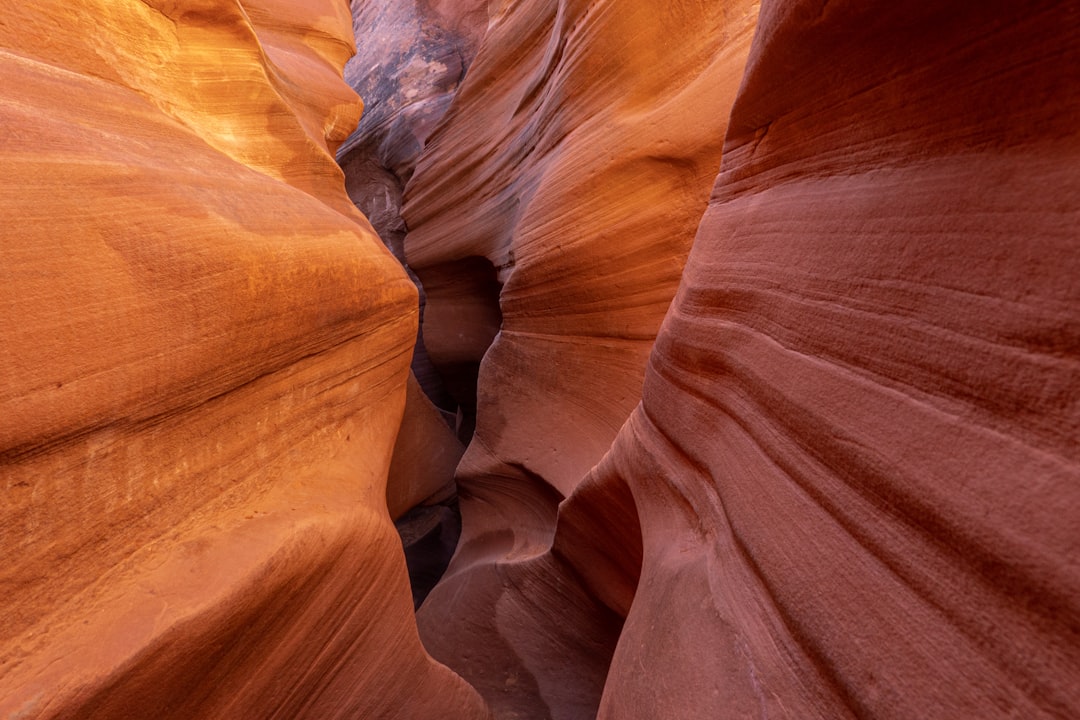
[(539, 359)]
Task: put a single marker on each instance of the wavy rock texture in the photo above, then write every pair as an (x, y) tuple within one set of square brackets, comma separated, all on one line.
[(413, 56), (408, 68), (549, 218), (852, 488), (856, 462), (204, 358), (556, 203)]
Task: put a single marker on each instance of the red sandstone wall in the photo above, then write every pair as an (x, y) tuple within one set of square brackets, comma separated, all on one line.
[(549, 219), (851, 486), (856, 462)]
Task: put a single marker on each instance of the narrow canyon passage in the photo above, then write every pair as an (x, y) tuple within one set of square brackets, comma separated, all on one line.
[(545, 359), (546, 268), (716, 548)]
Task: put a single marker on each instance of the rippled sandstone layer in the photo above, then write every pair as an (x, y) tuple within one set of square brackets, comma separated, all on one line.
[(851, 488), (856, 465), (549, 218), (204, 358)]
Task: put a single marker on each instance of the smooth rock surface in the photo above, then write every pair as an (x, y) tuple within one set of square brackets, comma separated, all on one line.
[(852, 486), (856, 463), (425, 456), (411, 59), (420, 491), (203, 367), (549, 218), (556, 204), (851, 483)]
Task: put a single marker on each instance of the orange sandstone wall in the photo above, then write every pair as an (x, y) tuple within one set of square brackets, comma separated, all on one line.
[(410, 62), (202, 370), (852, 487), (549, 218), (554, 206)]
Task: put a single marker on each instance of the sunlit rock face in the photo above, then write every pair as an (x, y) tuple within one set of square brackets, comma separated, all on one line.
[(855, 468), (549, 218), (203, 365), (843, 482), (556, 204)]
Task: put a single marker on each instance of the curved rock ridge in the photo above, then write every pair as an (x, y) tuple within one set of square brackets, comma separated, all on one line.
[(855, 467), (555, 204), (204, 362), (411, 60), (549, 218)]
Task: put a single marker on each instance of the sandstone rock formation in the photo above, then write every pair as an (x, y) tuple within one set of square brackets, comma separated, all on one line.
[(412, 59), (203, 361), (556, 204), (549, 218), (420, 491), (838, 477), (856, 464), (852, 487), (407, 69)]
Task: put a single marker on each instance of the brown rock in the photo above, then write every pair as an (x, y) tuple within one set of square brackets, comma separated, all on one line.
[(425, 456), (851, 487), (420, 491), (561, 193), (411, 59), (855, 467), (549, 218), (203, 366)]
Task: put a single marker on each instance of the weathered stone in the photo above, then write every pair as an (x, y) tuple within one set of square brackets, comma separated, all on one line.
[(852, 487), (202, 370), (856, 464), (549, 218), (412, 57)]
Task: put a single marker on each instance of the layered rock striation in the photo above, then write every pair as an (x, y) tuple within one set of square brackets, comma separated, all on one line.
[(855, 465), (407, 69), (204, 361), (549, 218), (824, 466), (851, 486), (412, 59)]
